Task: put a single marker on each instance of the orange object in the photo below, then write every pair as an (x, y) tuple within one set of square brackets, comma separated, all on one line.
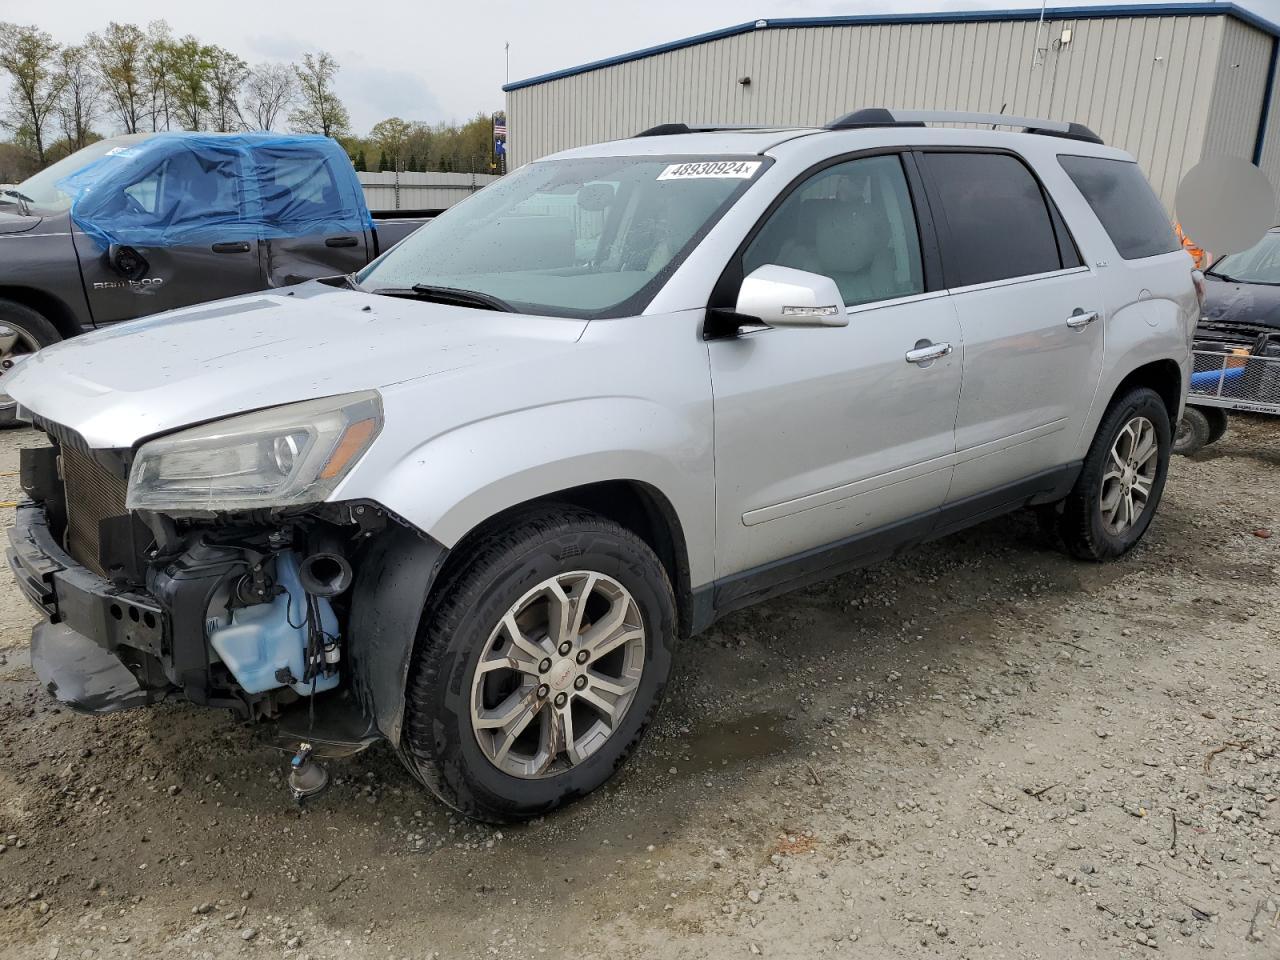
[(352, 443), (1198, 254)]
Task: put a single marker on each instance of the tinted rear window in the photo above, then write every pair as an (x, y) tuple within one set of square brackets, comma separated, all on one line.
[(1126, 205), (997, 223)]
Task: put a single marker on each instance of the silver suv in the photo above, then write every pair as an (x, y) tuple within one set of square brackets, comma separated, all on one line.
[(468, 499)]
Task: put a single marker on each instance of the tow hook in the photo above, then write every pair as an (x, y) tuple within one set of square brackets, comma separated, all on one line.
[(307, 777)]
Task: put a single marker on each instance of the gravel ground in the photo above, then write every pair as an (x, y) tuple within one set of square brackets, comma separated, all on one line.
[(981, 749)]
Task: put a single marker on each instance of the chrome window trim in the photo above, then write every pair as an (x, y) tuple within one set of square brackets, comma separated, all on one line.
[(1013, 281)]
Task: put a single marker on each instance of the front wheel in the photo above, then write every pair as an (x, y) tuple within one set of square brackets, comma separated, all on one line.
[(541, 661), (1119, 487)]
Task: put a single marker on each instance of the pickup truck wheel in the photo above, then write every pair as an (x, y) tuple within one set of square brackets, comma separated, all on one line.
[(1193, 432), (540, 662), (1123, 476), (22, 333), (27, 331)]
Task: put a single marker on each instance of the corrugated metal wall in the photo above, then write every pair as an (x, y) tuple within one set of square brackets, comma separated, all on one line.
[(1146, 84), (1238, 89), (420, 191), (1271, 143)]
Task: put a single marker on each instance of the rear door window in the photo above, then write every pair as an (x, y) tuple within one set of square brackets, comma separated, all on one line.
[(1124, 202), (299, 191), (996, 224)]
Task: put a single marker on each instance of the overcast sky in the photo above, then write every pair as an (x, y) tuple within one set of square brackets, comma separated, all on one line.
[(431, 61)]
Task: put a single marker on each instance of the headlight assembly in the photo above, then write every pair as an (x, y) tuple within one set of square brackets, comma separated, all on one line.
[(282, 456)]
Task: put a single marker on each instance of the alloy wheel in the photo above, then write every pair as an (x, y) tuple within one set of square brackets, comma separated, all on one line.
[(14, 343), (558, 674), (1130, 475)]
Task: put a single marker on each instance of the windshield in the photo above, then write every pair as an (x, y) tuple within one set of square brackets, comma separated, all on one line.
[(591, 237), (1259, 264), (41, 190)]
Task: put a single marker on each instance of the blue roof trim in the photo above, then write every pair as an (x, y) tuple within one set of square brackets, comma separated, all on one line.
[(1095, 12)]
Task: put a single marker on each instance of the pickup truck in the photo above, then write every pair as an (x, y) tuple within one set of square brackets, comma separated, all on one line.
[(142, 223)]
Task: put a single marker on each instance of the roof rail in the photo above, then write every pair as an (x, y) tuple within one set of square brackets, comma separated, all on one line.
[(880, 117), (670, 129)]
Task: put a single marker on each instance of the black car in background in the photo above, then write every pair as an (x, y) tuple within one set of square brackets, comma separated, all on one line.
[(1242, 299), (1241, 317)]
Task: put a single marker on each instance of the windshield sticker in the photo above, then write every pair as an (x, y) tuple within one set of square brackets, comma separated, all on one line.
[(711, 170)]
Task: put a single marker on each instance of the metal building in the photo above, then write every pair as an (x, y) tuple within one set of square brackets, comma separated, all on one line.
[(1169, 83)]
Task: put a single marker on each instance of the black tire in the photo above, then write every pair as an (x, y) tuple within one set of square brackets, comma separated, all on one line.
[(1193, 432), (35, 332), (34, 325), (1083, 527), (1217, 418), (479, 586)]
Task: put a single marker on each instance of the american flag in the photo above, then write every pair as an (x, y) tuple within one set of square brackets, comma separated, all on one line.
[(499, 126)]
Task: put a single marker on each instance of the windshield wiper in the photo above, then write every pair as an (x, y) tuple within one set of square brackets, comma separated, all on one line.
[(23, 200), (450, 295), (1257, 283)]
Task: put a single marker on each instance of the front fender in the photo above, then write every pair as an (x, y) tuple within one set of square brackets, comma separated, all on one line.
[(387, 601), (450, 484)]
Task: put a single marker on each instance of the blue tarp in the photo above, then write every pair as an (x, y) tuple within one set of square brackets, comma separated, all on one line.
[(176, 189)]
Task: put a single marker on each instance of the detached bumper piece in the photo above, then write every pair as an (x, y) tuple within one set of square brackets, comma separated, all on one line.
[(81, 674), (96, 630)]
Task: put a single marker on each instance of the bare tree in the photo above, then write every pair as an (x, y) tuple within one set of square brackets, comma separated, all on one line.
[(78, 105), (29, 56), (319, 109), (270, 89), (120, 55), (227, 74)]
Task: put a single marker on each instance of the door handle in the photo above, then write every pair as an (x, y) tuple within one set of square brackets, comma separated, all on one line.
[(1079, 319), (231, 246), (340, 241), (925, 352)]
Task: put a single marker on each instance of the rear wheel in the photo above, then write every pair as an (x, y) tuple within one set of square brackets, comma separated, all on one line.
[(539, 665), (1123, 477), (23, 331)]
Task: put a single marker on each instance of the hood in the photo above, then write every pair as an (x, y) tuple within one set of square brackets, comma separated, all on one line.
[(13, 222), (135, 380), (1228, 302)]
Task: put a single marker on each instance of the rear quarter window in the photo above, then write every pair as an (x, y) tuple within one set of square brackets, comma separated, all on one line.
[(1124, 203)]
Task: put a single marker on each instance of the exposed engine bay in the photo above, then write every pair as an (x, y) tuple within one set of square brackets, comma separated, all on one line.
[(250, 611)]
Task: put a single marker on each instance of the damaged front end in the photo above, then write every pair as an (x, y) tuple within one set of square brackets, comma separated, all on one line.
[(304, 614)]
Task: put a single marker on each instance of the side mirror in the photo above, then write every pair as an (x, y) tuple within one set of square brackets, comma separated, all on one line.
[(127, 262), (783, 297)]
